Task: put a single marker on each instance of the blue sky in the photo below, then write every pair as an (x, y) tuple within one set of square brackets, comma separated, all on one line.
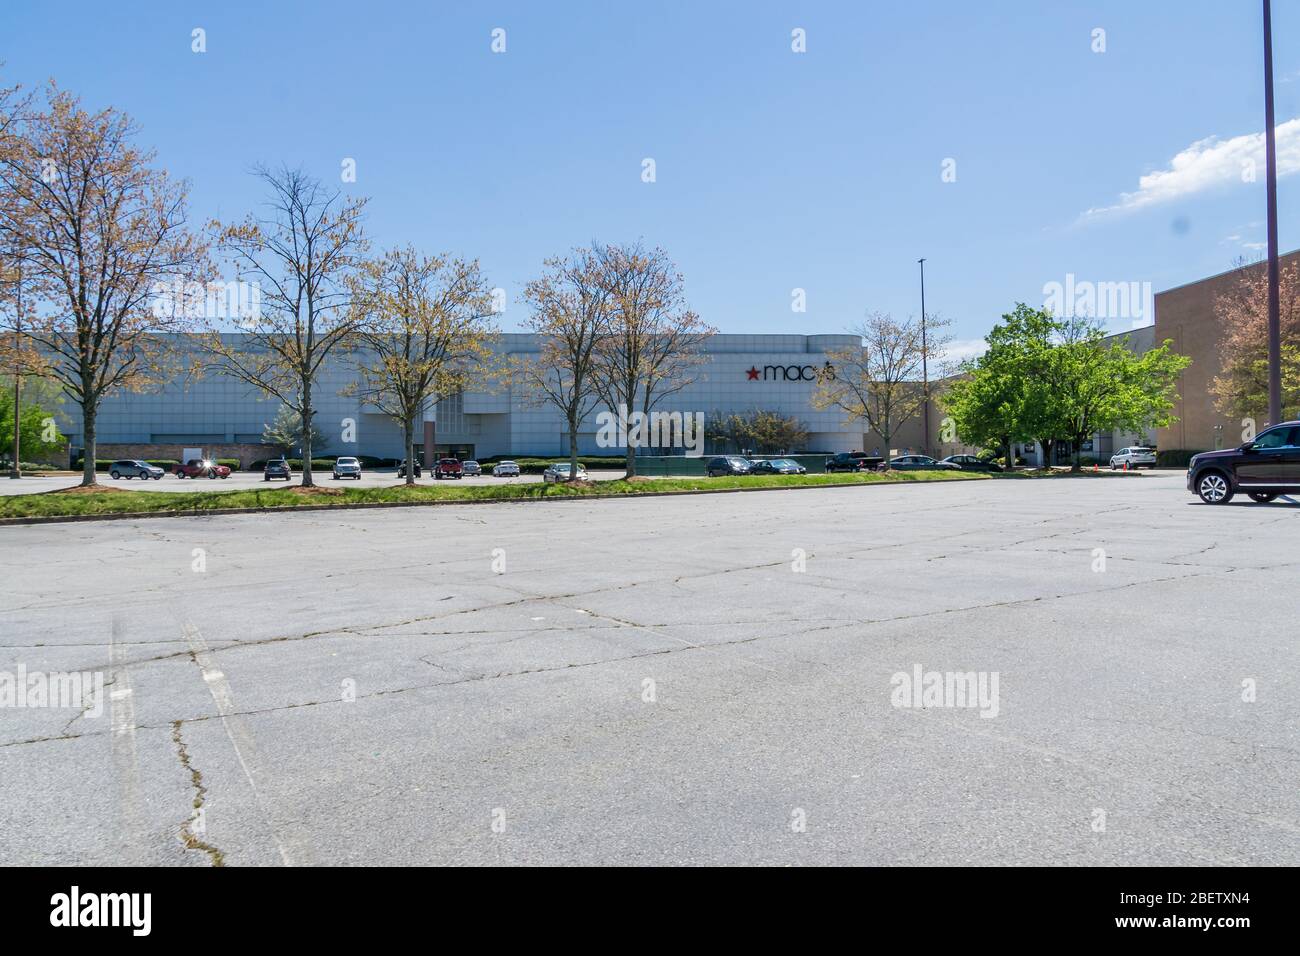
[(774, 170)]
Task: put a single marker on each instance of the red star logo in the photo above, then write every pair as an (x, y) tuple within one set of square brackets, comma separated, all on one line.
[(752, 373)]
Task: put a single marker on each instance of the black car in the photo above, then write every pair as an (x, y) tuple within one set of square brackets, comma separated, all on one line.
[(729, 465), (777, 466), (920, 463), (972, 463), (401, 468), (1262, 469), (277, 468), (852, 461)]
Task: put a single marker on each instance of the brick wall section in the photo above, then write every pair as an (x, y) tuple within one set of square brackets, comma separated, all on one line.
[(1187, 315), (245, 452)]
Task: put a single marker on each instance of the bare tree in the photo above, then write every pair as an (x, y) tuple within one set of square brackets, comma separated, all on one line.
[(880, 380), (302, 253), (427, 326), (571, 307), (100, 230), (653, 345)]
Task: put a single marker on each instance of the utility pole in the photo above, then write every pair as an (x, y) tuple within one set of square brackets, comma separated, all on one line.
[(1270, 179), (15, 471), (925, 366)]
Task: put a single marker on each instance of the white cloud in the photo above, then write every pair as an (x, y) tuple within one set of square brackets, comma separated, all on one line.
[(1207, 163), (959, 350)]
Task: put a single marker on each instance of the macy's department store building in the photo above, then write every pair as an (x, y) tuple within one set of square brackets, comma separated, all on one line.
[(742, 373)]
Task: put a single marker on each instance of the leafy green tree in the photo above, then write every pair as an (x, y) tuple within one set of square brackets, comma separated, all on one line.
[(39, 435), (1003, 397), (1046, 379), (1104, 386), (286, 433)]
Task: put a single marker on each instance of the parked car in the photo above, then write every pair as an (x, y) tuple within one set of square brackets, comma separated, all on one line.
[(135, 468), (202, 468), (401, 468), (919, 463), (506, 469), (277, 468), (471, 468), (972, 463), (447, 468), (777, 466), (728, 465), (852, 461), (560, 472), (347, 468), (1139, 456), (1264, 468)]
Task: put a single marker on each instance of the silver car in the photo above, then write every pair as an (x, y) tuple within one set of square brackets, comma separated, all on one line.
[(470, 468), (135, 468), (560, 472), (506, 469), (1138, 456), (347, 468)]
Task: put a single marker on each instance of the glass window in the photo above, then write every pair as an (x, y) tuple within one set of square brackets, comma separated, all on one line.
[(1276, 438)]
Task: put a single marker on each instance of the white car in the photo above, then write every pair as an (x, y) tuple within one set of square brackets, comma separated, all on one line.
[(560, 472), (347, 468), (506, 469), (1136, 457)]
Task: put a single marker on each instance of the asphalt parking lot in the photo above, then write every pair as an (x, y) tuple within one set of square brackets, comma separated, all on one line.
[(710, 679)]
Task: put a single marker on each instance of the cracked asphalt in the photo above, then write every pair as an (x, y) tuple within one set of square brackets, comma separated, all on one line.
[(652, 682)]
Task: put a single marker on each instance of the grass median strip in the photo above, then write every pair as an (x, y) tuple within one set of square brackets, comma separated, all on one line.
[(76, 502)]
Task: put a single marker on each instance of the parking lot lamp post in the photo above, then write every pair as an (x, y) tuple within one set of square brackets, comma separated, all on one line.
[(925, 367), (1270, 179), (15, 469)]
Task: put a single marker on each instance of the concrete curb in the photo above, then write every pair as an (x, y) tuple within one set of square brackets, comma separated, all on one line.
[(363, 505)]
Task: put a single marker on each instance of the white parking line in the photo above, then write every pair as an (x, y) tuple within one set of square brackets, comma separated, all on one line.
[(290, 840), (126, 769)]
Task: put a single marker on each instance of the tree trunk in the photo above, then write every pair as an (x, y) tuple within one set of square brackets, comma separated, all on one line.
[(89, 412), (409, 432), (573, 449), (307, 416), (631, 461), (1048, 445), (1011, 455)]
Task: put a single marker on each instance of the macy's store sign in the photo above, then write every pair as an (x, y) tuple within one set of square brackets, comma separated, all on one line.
[(789, 373)]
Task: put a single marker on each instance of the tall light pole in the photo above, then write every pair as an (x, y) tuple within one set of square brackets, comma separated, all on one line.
[(925, 366), (15, 471), (1270, 179)]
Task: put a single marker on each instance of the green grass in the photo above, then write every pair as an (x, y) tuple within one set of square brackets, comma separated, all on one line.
[(56, 504)]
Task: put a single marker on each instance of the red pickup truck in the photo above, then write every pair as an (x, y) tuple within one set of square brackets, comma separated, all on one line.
[(198, 468), (447, 468)]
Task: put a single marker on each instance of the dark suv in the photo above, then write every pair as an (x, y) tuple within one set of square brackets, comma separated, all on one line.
[(852, 461), (728, 465), (1262, 469)]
